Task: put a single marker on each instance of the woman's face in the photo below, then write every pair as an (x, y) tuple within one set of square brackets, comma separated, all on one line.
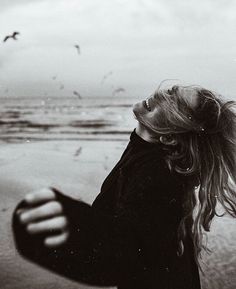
[(148, 109)]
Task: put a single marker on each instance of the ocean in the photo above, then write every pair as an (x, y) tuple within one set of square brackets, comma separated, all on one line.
[(69, 118)]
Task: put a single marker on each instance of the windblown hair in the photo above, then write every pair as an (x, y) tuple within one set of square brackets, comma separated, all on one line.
[(205, 154)]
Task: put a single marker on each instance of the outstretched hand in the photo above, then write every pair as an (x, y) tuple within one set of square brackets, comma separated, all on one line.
[(44, 214)]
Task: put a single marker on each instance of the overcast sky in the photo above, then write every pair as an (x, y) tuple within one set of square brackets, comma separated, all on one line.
[(141, 41)]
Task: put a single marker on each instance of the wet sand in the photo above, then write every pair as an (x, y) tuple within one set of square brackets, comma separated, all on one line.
[(78, 168)]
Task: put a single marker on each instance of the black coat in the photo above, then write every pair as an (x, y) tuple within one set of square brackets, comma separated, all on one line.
[(128, 237)]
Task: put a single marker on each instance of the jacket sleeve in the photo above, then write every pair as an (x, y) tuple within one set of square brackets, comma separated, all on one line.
[(103, 249)]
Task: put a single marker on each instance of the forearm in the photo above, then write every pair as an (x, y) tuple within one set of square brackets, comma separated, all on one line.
[(101, 249), (97, 251), (75, 259)]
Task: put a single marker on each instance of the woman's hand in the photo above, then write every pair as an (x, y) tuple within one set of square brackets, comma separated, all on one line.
[(45, 215)]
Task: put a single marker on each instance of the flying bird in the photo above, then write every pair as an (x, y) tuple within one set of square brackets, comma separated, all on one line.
[(106, 76), (62, 86), (78, 151), (77, 94), (54, 77), (118, 90), (77, 47), (13, 36)]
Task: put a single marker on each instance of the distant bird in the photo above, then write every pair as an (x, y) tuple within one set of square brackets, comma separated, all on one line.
[(62, 86), (77, 47), (118, 90), (77, 94), (13, 36), (106, 76), (78, 151), (54, 77)]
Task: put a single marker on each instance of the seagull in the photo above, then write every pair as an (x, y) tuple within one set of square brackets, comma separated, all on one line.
[(78, 151), (77, 47), (13, 36), (118, 90), (77, 94), (106, 76)]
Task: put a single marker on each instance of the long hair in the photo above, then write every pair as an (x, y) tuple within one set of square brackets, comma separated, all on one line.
[(205, 155)]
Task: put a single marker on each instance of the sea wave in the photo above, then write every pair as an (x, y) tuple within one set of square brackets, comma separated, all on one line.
[(60, 118)]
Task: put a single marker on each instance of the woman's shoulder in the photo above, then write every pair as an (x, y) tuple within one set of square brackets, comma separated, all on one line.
[(151, 183), (151, 169), (146, 163)]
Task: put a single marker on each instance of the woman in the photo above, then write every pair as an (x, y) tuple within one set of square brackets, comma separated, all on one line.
[(145, 228)]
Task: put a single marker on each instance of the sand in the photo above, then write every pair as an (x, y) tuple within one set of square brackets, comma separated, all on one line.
[(78, 168)]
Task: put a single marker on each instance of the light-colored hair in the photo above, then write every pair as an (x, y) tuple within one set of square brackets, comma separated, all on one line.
[(205, 154)]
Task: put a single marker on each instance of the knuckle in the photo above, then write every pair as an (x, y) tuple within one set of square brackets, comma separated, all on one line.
[(66, 234), (26, 217), (23, 218), (35, 213), (30, 196), (47, 191), (39, 212), (56, 240), (64, 237), (51, 192), (30, 227), (63, 221), (56, 207)]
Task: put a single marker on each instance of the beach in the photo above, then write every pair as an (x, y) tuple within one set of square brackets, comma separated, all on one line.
[(76, 164)]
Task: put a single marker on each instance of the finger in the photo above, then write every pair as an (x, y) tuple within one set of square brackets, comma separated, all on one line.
[(57, 240), (49, 209), (51, 225), (20, 211), (40, 196)]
